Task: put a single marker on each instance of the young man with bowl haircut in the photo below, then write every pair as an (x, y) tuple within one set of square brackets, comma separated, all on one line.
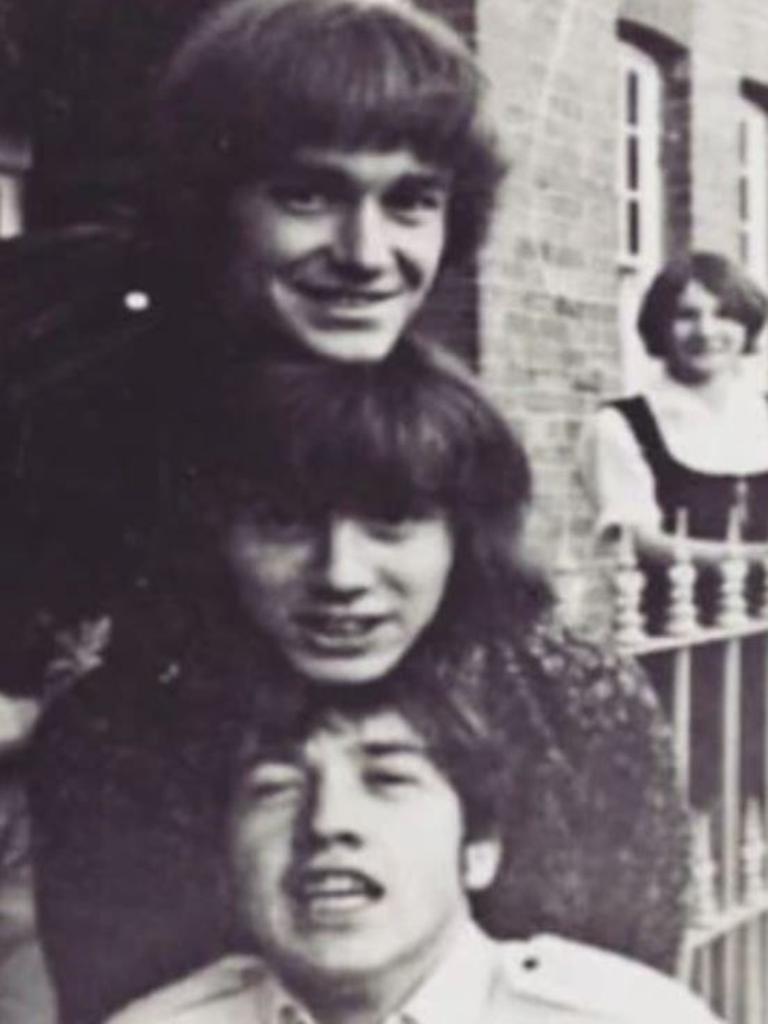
[(362, 822), (318, 162)]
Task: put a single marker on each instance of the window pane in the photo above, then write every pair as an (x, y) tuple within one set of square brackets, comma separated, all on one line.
[(633, 97), (744, 247), (633, 226), (743, 141), (743, 199), (633, 162)]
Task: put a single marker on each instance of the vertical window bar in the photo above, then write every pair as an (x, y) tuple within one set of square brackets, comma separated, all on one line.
[(633, 98)]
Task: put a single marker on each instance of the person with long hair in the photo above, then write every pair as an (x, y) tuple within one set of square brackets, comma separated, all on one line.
[(337, 521)]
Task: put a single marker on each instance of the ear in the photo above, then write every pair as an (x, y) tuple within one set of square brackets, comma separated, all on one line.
[(480, 862)]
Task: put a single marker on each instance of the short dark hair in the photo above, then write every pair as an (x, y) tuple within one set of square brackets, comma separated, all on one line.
[(452, 716), (408, 436), (258, 78), (741, 298)]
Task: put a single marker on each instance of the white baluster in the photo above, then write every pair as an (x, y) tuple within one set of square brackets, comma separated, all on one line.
[(732, 609), (681, 613), (569, 579), (762, 607), (628, 583), (753, 854), (703, 872)]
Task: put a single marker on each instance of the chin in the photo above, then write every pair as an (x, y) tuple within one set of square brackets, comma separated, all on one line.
[(351, 348), (346, 671)]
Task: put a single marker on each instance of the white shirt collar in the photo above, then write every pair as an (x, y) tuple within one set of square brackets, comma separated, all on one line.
[(667, 390), (456, 990), (730, 439)]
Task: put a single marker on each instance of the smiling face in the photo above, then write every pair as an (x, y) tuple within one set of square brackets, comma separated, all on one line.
[(338, 248), (349, 856), (703, 344), (343, 596)]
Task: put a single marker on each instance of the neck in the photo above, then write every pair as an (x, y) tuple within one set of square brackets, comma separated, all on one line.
[(371, 1000), (713, 391)]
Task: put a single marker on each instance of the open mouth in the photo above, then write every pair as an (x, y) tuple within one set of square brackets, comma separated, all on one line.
[(331, 894), (339, 631)]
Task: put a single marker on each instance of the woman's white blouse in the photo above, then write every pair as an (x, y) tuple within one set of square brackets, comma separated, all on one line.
[(731, 439)]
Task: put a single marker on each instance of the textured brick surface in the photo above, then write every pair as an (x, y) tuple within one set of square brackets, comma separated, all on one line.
[(547, 305), (545, 301)]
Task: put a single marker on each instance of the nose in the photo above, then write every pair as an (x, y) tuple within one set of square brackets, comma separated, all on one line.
[(343, 563), (706, 324), (330, 812), (362, 240)]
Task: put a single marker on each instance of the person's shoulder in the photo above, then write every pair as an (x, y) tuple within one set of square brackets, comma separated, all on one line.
[(611, 422), (586, 666), (221, 993), (571, 981)]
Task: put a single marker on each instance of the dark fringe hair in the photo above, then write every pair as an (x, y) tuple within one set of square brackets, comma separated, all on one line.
[(449, 705), (740, 297), (407, 437), (259, 78)]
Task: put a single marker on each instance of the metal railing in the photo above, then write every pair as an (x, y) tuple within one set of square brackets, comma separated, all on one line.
[(713, 681)]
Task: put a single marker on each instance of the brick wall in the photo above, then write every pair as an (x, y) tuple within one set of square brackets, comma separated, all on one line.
[(714, 115), (547, 305), (548, 346), (461, 14), (452, 316)]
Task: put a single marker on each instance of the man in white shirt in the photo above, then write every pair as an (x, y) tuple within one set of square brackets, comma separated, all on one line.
[(361, 822)]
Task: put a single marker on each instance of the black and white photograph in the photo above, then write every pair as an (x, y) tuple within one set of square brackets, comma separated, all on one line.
[(384, 510)]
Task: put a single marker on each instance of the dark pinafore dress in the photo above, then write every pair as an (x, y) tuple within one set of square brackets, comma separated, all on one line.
[(708, 499)]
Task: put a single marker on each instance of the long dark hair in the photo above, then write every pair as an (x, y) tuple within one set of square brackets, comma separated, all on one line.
[(409, 436), (257, 79)]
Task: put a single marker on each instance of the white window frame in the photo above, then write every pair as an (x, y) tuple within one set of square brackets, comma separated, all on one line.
[(640, 190), (752, 210), (752, 196)]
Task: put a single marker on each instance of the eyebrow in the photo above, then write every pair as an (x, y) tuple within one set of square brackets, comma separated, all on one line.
[(338, 179), (288, 754), (396, 748)]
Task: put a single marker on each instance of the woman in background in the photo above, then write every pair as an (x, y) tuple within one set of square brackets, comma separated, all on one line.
[(695, 442), (693, 450)]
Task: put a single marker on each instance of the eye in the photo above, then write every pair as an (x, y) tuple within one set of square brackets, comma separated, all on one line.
[(389, 780), (727, 317), (394, 528), (418, 201), (388, 530), (302, 195), (281, 518), (686, 313), (272, 783)]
